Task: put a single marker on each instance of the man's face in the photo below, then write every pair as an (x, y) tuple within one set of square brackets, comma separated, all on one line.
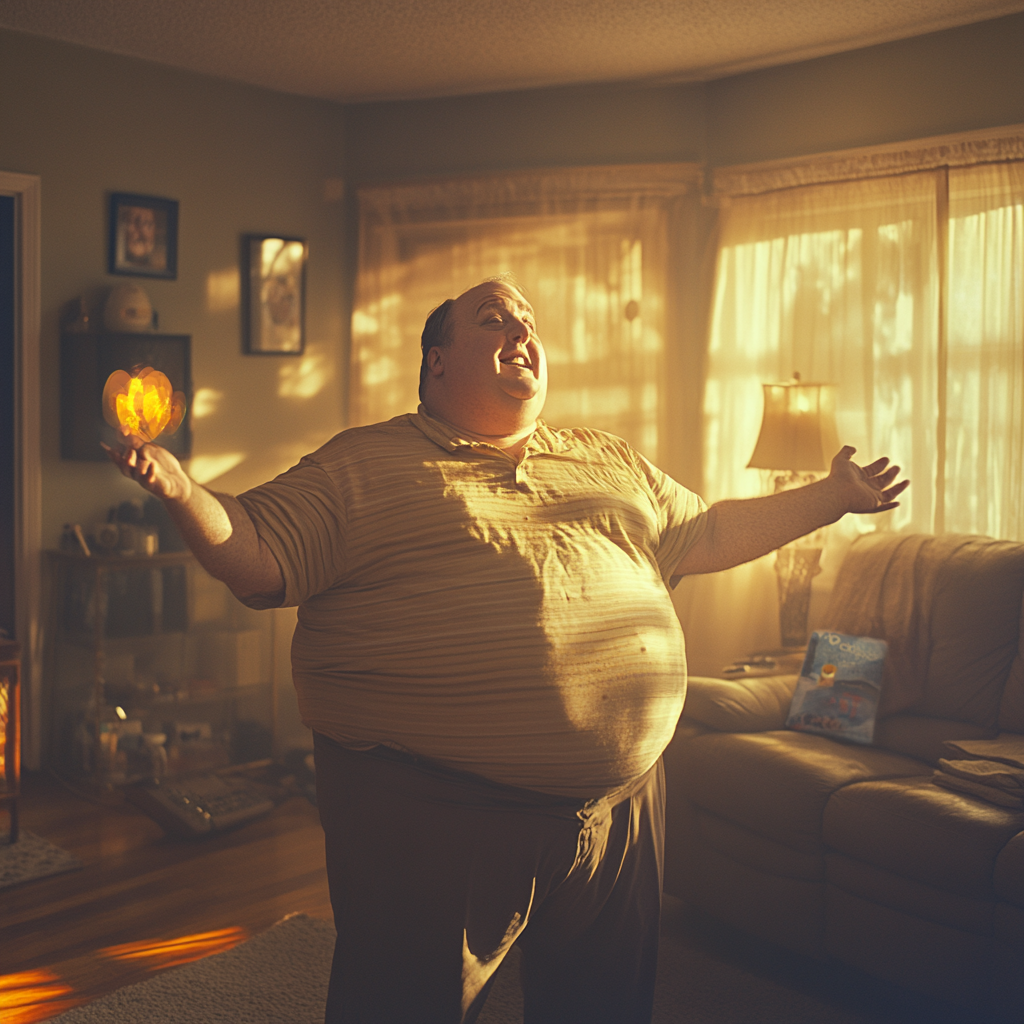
[(494, 363)]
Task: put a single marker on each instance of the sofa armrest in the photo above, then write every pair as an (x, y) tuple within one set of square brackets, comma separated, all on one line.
[(739, 705)]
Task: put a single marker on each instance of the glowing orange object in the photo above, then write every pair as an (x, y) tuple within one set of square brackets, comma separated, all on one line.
[(142, 403)]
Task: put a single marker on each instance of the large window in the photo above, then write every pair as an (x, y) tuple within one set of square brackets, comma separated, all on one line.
[(906, 292)]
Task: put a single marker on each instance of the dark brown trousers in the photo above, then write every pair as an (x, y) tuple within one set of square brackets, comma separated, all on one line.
[(434, 874)]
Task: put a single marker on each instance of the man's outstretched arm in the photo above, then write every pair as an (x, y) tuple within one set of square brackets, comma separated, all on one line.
[(742, 530), (216, 527)]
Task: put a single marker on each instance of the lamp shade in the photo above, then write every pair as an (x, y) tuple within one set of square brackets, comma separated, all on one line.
[(798, 431)]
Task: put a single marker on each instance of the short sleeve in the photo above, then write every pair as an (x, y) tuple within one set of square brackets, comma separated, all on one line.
[(301, 517), (682, 518)]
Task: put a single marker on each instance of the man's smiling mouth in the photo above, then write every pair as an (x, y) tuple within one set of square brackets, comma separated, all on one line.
[(518, 360)]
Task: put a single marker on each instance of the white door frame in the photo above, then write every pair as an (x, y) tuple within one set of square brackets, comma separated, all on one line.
[(28, 490)]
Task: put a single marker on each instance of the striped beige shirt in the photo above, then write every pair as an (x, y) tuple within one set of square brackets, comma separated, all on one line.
[(508, 618)]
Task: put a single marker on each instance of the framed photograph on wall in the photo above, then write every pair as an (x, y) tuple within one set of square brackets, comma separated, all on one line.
[(274, 299), (143, 236)]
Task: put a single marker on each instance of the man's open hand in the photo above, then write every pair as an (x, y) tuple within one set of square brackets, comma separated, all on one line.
[(866, 489), (153, 467)]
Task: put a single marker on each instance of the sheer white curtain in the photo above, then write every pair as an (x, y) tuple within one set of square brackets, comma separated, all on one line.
[(840, 283), (984, 463), (587, 246)]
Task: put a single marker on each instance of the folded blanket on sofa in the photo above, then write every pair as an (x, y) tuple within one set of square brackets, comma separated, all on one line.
[(1007, 748), (978, 789), (987, 773)]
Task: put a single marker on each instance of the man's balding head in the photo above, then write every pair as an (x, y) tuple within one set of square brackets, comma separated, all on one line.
[(483, 366)]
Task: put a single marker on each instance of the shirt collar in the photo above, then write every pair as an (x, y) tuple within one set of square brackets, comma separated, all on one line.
[(543, 439)]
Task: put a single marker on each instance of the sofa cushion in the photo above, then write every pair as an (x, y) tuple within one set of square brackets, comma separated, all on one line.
[(923, 737), (921, 831), (753, 849), (949, 607), (739, 705), (777, 783), (786, 911), (1009, 875), (908, 895)]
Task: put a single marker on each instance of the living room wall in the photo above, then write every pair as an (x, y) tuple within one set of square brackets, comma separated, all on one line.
[(238, 159)]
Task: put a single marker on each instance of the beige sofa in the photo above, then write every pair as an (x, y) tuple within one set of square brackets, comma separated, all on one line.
[(852, 853)]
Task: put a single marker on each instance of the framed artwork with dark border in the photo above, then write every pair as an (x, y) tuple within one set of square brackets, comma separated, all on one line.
[(273, 295), (143, 237)]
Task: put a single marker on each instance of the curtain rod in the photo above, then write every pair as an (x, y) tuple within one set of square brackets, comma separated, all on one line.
[(986, 145)]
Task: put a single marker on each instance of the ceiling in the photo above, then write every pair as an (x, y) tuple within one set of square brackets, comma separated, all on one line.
[(359, 50)]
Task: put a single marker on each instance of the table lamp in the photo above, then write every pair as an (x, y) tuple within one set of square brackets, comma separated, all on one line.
[(797, 442)]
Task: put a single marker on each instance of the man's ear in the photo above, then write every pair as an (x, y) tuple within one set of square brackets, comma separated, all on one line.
[(435, 361)]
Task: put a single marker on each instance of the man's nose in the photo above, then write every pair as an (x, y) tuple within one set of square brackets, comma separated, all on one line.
[(518, 330)]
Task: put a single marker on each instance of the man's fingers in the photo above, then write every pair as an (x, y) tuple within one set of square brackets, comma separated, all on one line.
[(882, 480), (877, 466), (892, 492)]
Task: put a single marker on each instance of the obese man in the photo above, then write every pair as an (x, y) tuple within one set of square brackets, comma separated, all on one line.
[(489, 660)]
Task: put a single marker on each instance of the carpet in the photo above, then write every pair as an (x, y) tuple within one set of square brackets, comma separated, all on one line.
[(280, 977), (32, 857)]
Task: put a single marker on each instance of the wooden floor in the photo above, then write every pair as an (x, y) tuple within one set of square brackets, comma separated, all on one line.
[(143, 902)]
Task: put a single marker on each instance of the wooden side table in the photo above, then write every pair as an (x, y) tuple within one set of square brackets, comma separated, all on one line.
[(10, 730)]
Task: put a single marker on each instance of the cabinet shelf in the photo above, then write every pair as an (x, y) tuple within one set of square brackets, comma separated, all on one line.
[(150, 646)]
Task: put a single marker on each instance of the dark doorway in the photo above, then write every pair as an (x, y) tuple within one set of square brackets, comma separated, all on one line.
[(7, 456)]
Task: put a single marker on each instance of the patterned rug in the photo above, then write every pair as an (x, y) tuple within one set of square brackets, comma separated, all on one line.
[(32, 857)]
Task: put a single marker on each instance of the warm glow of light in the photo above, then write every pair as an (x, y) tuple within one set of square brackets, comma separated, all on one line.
[(223, 288), (305, 378), (205, 468), (30, 996), (205, 402), (162, 953), (142, 403)]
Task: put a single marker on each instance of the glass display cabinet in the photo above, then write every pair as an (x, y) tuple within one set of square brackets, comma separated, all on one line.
[(154, 670)]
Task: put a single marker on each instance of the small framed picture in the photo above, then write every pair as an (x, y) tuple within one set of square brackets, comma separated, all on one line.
[(274, 302), (143, 236)]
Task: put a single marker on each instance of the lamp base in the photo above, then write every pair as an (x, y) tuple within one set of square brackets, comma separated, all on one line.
[(795, 568)]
